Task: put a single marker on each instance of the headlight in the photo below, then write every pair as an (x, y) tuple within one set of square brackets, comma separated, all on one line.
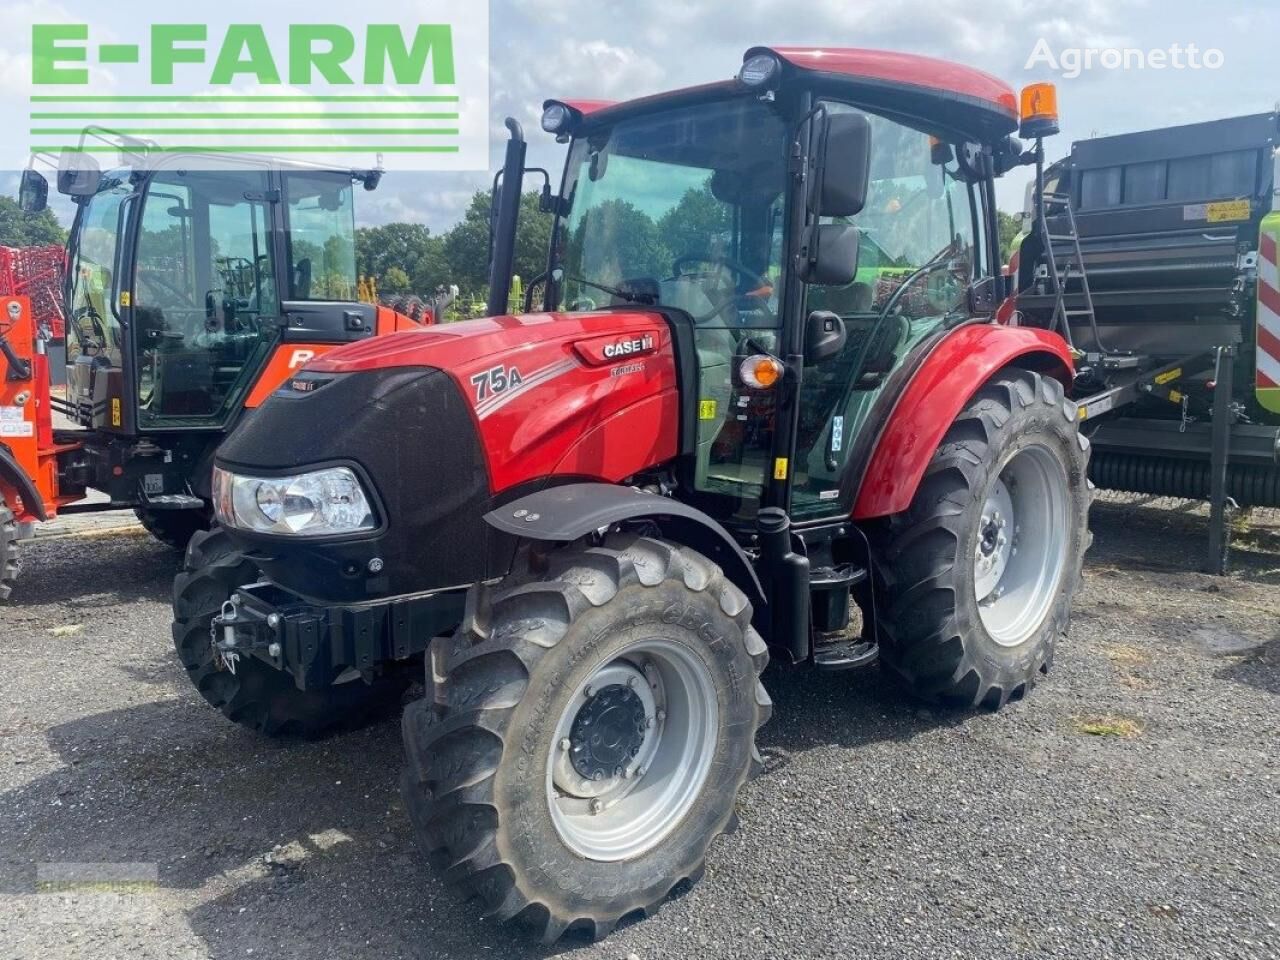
[(556, 118), (317, 504), (759, 71)]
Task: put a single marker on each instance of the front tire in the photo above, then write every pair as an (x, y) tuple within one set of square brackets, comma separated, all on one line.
[(979, 572), (257, 695), (588, 734), (174, 528), (10, 562)]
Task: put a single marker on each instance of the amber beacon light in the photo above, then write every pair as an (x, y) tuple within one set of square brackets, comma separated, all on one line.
[(1039, 110)]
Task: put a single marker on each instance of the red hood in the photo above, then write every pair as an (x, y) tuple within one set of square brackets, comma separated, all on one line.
[(456, 344), (570, 394)]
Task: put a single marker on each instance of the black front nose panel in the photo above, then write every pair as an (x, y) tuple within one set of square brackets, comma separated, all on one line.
[(410, 434)]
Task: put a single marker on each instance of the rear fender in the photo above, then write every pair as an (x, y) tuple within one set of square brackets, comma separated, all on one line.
[(566, 513), (954, 371)]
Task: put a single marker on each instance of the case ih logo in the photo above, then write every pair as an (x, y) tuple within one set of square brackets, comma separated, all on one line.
[(630, 347)]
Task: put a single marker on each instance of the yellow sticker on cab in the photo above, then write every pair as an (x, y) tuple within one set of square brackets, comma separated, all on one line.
[(706, 409), (780, 468), (1227, 211), (116, 418)]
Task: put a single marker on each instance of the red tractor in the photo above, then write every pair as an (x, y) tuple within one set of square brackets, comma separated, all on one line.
[(767, 381)]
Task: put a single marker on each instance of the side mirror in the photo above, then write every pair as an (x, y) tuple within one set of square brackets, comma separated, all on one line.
[(845, 166), (78, 174), (33, 191), (833, 255), (824, 337)]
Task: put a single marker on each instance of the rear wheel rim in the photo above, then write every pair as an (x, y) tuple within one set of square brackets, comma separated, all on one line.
[(653, 712), (1021, 546)]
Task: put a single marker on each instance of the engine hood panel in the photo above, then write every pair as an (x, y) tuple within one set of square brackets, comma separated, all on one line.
[(589, 395), (457, 344)]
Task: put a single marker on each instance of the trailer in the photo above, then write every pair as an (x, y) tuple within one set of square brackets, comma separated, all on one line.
[(1154, 253)]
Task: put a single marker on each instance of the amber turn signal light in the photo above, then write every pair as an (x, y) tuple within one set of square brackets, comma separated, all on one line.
[(760, 371)]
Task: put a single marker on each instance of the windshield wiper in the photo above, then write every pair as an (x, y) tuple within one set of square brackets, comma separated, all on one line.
[(630, 296)]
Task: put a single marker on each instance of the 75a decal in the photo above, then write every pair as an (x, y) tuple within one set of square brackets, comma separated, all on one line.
[(494, 381)]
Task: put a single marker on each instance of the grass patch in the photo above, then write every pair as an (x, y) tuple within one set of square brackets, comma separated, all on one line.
[(1122, 727)]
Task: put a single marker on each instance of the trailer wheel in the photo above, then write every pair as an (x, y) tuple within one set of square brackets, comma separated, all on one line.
[(978, 573), (10, 562), (174, 528), (258, 696), (588, 734)]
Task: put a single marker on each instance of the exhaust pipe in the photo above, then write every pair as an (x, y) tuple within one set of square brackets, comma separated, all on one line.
[(505, 219)]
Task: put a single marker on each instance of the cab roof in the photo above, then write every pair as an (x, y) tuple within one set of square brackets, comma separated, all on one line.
[(956, 101)]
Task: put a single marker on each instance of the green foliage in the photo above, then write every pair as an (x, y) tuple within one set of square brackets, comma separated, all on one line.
[(394, 280), (18, 229), (408, 258), (1010, 226)]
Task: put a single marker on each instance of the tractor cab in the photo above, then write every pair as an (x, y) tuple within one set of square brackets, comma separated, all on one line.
[(183, 276), (819, 219), (194, 286)]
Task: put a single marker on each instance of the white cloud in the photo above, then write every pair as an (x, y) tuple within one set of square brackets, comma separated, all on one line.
[(617, 49)]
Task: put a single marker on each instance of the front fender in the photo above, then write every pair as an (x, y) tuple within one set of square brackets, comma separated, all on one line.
[(565, 513), (14, 478), (954, 371)]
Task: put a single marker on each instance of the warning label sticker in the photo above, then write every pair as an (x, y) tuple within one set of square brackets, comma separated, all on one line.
[(1224, 211), (20, 429), (10, 414)]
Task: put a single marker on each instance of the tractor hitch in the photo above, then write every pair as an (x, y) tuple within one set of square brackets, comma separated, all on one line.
[(318, 644)]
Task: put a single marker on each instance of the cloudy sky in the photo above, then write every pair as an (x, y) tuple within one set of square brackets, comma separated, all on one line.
[(613, 50)]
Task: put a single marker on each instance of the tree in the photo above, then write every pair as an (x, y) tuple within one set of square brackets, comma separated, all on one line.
[(466, 246), (619, 241), (692, 224), (1010, 225), (404, 246), (395, 280), (20, 229)]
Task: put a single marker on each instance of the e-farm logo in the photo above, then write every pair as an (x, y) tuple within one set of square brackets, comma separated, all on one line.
[(408, 95)]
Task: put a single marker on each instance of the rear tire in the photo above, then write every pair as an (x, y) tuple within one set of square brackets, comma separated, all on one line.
[(10, 562), (508, 811), (979, 572), (174, 528), (257, 695)]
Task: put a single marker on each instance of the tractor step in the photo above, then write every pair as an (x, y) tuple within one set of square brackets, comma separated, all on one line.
[(173, 501), (846, 654), (830, 578)]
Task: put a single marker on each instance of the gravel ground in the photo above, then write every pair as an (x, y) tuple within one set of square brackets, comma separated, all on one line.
[(1129, 808)]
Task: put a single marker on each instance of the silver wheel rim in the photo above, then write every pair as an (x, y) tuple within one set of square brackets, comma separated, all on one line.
[(643, 798), (1021, 547)]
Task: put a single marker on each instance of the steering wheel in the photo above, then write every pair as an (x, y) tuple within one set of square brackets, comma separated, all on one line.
[(750, 280)]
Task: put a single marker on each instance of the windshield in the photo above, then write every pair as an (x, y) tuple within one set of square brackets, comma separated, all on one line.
[(685, 208), (681, 208), (322, 236)]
